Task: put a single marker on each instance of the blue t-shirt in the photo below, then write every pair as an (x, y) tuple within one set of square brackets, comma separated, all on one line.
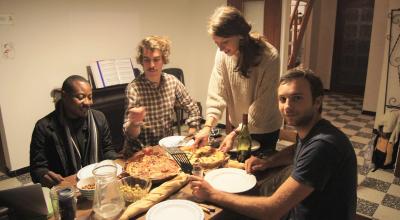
[(325, 160)]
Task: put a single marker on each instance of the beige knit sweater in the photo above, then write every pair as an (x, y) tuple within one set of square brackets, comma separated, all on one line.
[(256, 95)]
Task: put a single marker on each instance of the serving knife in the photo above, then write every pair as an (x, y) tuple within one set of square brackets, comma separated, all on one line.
[(185, 139)]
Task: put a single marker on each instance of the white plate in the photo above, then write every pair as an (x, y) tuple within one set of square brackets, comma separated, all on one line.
[(231, 180), (87, 171), (255, 145), (175, 209), (172, 141)]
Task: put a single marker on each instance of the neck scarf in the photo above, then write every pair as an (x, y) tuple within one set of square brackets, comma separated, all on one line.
[(74, 153)]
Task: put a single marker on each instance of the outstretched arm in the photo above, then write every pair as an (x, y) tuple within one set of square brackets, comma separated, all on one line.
[(288, 195)]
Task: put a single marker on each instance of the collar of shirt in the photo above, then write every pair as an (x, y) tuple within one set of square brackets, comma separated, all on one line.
[(153, 84)]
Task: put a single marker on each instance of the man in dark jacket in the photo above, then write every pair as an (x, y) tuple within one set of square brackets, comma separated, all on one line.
[(70, 137)]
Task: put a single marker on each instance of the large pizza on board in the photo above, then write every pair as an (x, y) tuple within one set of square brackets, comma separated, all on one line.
[(152, 163)]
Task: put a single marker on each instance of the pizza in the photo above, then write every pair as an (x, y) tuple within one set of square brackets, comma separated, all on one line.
[(207, 156), (152, 163)]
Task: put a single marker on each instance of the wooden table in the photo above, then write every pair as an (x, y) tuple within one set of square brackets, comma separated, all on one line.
[(85, 212)]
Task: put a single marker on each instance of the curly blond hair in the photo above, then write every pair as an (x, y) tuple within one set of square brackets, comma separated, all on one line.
[(154, 43)]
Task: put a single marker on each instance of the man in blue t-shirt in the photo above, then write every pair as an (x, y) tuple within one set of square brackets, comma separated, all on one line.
[(323, 182)]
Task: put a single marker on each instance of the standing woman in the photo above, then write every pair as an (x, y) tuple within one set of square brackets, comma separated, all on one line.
[(244, 79)]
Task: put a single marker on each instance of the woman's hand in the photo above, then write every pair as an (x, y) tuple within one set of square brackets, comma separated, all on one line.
[(227, 143), (201, 138)]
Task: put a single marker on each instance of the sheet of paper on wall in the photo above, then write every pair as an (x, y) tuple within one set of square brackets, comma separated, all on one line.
[(112, 72)]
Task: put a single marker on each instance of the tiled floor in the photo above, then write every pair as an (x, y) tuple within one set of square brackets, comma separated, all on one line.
[(378, 192)]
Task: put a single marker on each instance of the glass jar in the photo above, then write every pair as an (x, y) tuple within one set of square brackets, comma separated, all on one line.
[(63, 200), (108, 201)]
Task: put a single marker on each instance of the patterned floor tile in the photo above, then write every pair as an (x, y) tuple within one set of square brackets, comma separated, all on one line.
[(382, 175), (391, 201), (361, 120), (360, 160), (364, 134), (354, 111), (376, 184), (360, 139), (371, 126), (357, 123), (358, 145), (396, 181), (342, 109), (329, 118), (369, 117), (366, 207), (369, 194), (346, 117), (366, 130), (334, 104), (394, 190), (353, 127), (9, 183), (386, 213), (362, 170), (340, 120), (348, 132), (25, 178), (336, 112), (338, 124), (334, 115), (360, 179)]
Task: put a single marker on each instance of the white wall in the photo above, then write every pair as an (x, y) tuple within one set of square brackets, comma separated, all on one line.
[(322, 25), (53, 39), (254, 13), (376, 53)]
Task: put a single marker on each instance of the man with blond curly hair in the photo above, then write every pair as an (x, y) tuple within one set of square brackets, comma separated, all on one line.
[(152, 96)]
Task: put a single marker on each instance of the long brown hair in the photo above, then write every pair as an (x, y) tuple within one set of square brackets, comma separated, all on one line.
[(228, 21)]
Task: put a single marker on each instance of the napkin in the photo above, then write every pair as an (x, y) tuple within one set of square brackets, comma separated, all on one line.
[(155, 196)]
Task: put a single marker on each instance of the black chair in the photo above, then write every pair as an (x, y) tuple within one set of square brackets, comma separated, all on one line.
[(136, 72), (178, 73)]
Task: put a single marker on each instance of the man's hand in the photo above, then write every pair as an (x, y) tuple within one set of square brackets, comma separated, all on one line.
[(201, 138), (136, 115), (201, 189), (51, 179), (255, 164), (227, 143)]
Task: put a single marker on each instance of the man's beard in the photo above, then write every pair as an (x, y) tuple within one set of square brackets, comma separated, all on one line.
[(302, 121)]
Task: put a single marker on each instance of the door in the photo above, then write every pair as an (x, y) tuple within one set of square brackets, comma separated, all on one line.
[(351, 48)]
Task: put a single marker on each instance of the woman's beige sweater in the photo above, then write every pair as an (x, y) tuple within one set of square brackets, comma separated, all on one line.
[(256, 95)]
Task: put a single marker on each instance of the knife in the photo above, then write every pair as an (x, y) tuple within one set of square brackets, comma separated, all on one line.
[(185, 139)]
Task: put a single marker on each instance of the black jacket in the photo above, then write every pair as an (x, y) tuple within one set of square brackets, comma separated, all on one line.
[(49, 144)]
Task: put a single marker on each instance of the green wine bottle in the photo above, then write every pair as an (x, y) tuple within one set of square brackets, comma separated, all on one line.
[(244, 141)]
